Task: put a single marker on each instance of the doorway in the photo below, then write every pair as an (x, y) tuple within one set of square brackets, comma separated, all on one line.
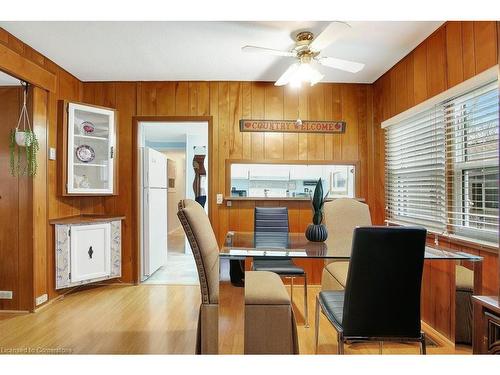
[(173, 163)]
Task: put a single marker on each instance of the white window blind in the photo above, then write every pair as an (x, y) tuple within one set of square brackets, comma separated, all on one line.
[(442, 167), (415, 165), (471, 122)]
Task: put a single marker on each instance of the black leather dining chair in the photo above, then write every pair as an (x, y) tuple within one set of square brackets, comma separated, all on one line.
[(271, 231), (381, 300)]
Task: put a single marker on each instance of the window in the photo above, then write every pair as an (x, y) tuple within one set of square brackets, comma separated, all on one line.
[(471, 123), (291, 180), (442, 166)]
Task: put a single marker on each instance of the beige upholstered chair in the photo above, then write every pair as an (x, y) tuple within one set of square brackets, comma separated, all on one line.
[(341, 216), (202, 239), (270, 326)]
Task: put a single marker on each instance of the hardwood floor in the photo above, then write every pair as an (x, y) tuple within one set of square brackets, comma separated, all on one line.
[(151, 319)]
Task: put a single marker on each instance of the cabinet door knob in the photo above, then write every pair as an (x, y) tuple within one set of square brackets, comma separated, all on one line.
[(90, 252)]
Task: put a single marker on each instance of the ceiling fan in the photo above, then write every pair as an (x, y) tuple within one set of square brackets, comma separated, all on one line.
[(307, 51)]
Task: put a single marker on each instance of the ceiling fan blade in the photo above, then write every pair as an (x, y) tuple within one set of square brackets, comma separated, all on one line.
[(348, 66), (287, 76), (267, 51), (329, 35)]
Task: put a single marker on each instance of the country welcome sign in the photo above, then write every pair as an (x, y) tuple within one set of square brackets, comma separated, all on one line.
[(292, 126)]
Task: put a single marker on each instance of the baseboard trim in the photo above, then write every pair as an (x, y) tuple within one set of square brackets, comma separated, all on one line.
[(437, 336)]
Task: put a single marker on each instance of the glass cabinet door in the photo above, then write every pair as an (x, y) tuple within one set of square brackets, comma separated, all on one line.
[(91, 148)]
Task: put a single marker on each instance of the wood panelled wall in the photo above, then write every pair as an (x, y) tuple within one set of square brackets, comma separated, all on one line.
[(37, 268), (227, 103), (454, 53)]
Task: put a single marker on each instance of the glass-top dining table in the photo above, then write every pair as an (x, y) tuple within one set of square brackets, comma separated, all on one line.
[(243, 245)]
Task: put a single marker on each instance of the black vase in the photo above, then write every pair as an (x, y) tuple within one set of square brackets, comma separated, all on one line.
[(316, 232)]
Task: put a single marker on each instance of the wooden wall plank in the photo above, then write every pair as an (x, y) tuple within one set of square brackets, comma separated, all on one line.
[(235, 109), (246, 113), (40, 188), (273, 109), (316, 142), (304, 115), (468, 59), (337, 115), (436, 62), (454, 53), (419, 73), (164, 100), (328, 115), (182, 98), (350, 112), (410, 82), (399, 86), (214, 112), (258, 98), (290, 112), (485, 45), (223, 144)]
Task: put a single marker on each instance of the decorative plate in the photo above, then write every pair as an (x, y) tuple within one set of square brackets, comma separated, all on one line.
[(85, 153), (87, 127)]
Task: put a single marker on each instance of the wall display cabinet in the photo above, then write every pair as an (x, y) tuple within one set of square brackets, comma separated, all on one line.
[(88, 162), (88, 249)]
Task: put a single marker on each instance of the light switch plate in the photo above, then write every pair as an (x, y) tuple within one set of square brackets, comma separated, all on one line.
[(5, 294), (220, 198), (229, 203), (52, 153)]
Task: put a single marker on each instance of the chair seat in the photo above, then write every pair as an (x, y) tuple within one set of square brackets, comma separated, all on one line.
[(332, 303), (265, 288), (279, 266)]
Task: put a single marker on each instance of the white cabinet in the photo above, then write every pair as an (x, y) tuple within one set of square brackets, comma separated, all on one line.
[(89, 154), (87, 251)]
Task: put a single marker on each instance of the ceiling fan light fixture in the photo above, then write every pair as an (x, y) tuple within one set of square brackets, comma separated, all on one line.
[(305, 73)]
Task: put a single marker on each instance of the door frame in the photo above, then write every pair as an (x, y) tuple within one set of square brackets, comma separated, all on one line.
[(136, 184)]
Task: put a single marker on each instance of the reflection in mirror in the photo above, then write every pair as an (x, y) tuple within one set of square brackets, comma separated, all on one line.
[(291, 180)]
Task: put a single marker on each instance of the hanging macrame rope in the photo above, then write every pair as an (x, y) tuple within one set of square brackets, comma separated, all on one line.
[(24, 110)]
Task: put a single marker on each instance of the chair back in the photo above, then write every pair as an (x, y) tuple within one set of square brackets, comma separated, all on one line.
[(382, 293), (271, 219), (271, 227), (341, 216), (202, 240)]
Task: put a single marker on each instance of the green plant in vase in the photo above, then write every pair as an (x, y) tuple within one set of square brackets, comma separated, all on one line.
[(317, 231)]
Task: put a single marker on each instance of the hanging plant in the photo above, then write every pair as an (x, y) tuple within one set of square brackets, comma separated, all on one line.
[(23, 162)]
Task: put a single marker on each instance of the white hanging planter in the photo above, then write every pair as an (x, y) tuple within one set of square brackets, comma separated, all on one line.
[(21, 138)]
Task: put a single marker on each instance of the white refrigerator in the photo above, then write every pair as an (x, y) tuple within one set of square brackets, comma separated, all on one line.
[(154, 210)]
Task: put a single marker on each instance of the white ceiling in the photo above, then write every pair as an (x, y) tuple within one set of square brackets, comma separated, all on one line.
[(7, 80), (145, 51)]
